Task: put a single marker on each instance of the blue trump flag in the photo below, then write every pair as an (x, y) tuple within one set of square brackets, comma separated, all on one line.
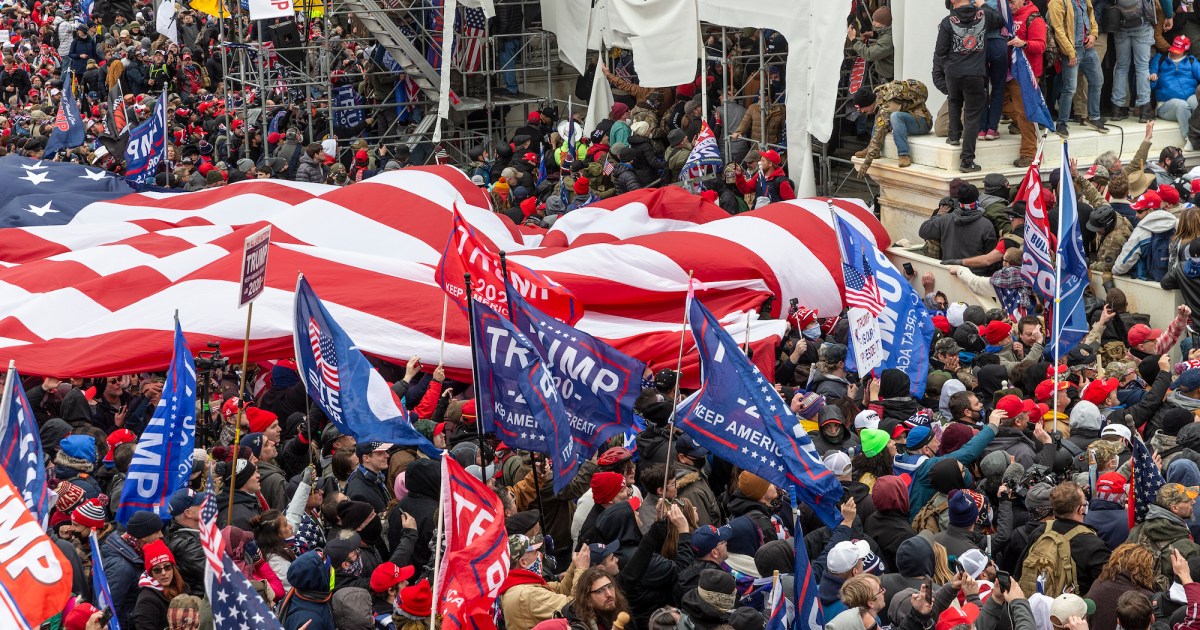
[(738, 416), (1070, 319), (598, 383), (162, 462), (905, 325), (1031, 95), (21, 447), (68, 129), (147, 145), (100, 593), (343, 383), (518, 400), (805, 583)]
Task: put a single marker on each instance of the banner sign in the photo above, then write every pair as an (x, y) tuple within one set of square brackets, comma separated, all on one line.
[(476, 560), (35, 577), (254, 265), (868, 346)]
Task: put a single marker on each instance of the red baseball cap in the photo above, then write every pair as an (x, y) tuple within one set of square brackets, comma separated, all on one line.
[(952, 617), (772, 156), (1111, 483), (1046, 388), (1141, 333), (1169, 194), (387, 575), (1098, 390), (1180, 45), (1015, 406), (1148, 200)]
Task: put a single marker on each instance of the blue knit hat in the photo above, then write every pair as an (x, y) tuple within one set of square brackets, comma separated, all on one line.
[(918, 436), (79, 446), (963, 510)]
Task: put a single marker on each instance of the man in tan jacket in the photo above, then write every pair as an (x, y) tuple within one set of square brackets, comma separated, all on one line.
[(526, 598), (1074, 27)]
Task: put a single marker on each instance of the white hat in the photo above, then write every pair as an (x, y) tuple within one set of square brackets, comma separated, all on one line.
[(954, 313), (846, 554), (1070, 605), (329, 147), (973, 562), (1117, 429), (837, 462), (866, 419)]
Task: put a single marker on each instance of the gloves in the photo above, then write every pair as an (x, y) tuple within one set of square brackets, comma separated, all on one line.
[(952, 261)]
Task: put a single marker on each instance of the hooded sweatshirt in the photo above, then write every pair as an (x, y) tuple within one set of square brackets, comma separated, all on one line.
[(914, 561), (963, 233), (889, 525), (308, 600), (1185, 277), (423, 479), (1156, 222)]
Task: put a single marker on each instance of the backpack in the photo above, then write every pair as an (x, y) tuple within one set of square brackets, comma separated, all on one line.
[(1050, 54), (1155, 258), (1050, 555), (929, 517)]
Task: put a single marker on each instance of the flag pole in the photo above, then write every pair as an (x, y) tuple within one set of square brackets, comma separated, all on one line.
[(442, 347), (6, 400), (746, 344), (1055, 315), (437, 542), (687, 303), (475, 376), (237, 428)]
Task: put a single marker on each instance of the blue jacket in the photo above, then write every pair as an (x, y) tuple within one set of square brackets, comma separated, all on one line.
[(123, 565), (921, 492), (1110, 520), (308, 599), (1176, 80)]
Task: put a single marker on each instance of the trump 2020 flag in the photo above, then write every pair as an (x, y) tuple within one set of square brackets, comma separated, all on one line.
[(738, 415), (905, 325), (476, 560), (100, 582), (1070, 318), (147, 145), (68, 129), (1031, 95), (598, 383), (518, 400), (162, 462), (705, 154), (21, 447), (805, 583), (343, 383), (780, 609)]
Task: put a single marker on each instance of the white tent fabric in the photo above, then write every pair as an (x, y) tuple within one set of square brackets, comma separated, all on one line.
[(814, 29), (664, 32), (560, 17), (601, 102)]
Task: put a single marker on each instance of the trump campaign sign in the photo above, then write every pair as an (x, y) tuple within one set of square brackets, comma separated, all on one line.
[(35, 578), (476, 560), (254, 265)]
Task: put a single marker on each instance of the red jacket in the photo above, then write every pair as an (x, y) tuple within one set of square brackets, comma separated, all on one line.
[(1034, 36)]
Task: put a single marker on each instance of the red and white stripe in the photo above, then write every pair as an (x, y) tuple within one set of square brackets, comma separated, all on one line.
[(97, 296)]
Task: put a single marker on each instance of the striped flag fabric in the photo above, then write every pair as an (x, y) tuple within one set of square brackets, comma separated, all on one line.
[(210, 534), (88, 288), (470, 41), (705, 154), (1147, 479)]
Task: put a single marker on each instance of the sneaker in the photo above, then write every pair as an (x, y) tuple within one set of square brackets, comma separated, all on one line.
[(954, 142), (993, 135), (1096, 124), (1120, 113), (905, 161), (983, 135), (1023, 162), (1062, 131), (968, 166), (1146, 114)]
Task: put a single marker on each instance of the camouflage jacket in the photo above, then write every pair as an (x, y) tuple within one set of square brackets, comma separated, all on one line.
[(908, 95)]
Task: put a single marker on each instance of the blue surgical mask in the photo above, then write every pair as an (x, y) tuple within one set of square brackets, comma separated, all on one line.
[(812, 332)]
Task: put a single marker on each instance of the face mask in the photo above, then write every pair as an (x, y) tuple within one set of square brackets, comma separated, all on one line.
[(291, 541), (812, 332), (356, 566), (536, 567)]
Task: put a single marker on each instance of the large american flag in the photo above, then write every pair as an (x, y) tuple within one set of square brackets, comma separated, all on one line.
[(1147, 479), (325, 354), (470, 41), (91, 275)]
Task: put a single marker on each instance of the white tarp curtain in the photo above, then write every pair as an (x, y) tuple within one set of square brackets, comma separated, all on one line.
[(489, 8), (601, 103), (665, 38), (815, 32)]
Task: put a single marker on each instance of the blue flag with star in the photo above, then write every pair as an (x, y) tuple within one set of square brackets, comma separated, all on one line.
[(162, 462), (598, 383), (40, 192), (235, 604), (342, 382), (738, 416), (101, 595), (518, 399), (1069, 320), (69, 130)]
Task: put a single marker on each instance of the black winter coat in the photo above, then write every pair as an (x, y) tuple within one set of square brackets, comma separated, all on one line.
[(184, 543), (889, 529), (245, 507), (150, 613), (647, 163), (423, 479), (359, 488), (625, 179)]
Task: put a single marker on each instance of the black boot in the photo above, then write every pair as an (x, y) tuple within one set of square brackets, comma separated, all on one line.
[(1147, 113), (1120, 113)]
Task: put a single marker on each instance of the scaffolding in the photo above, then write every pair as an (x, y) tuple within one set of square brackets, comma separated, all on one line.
[(308, 67)]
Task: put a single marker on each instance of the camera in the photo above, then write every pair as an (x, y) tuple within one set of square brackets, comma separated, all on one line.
[(209, 360), (1037, 474)]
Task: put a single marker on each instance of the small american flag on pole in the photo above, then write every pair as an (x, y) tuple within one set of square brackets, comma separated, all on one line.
[(471, 39), (325, 354), (210, 534), (862, 290), (1147, 479)]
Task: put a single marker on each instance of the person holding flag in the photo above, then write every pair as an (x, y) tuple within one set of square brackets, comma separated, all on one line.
[(1028, 42)]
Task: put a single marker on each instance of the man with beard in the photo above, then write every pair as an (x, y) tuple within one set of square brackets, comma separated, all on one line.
[(596, 603)]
